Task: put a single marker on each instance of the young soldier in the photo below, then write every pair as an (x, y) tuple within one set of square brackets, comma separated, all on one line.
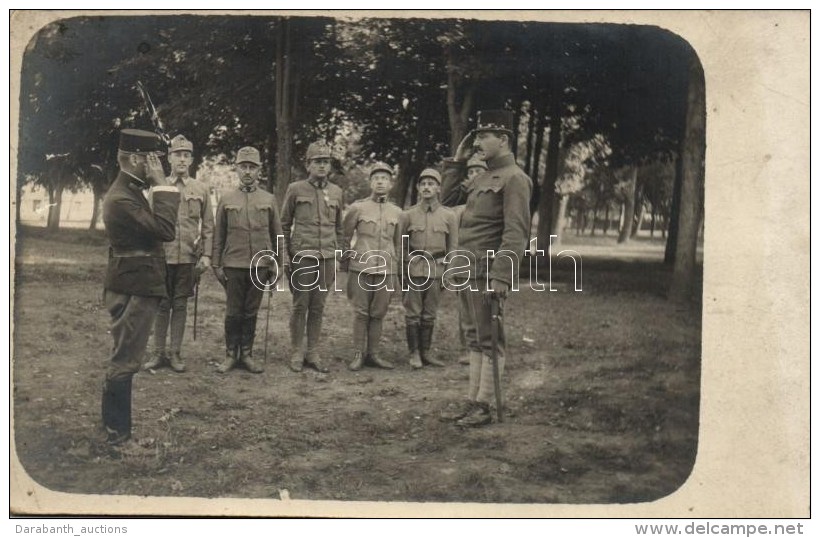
[(247, 222), (135, 278), (475, 166), (192, 245), (371, 225), (312, 221), (432, 233), (496, 218)]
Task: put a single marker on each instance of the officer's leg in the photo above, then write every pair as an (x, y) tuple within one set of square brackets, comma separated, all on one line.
[(234, 307), (430, 302), (300, 287), (380, 294), (316, 309), (412, 301), (131, 321), (160, 357), (183, 287), (361, 318), (253, 299), (466, 326)]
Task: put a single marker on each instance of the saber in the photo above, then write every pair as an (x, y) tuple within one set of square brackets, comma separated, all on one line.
[(267, 324), (494, 355), (152, 111), (196, 302)]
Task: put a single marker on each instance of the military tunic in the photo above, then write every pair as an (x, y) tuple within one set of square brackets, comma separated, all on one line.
[(135, 277)]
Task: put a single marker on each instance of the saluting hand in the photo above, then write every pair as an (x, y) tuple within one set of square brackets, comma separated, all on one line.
[(154, 174), (465, 148)]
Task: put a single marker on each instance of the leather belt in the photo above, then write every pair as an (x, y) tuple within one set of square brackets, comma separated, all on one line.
[(135, 253)]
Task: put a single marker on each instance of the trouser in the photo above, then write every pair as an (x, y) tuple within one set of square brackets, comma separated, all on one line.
[(310, 290), (466, 328), (131, 319), (420, 306), (481, 387), (179, 282), (242, 306), (370, 296)]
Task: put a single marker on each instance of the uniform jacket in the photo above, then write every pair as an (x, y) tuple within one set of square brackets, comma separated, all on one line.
[(432, 229), (195, 223), (312, 218), (496, 216), (136, 231), (247, 222), (371, 227)]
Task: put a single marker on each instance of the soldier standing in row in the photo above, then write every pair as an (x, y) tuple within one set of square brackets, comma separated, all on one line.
[(186, 257), (247, 223), (496, 218), (371, 227), (432, 232), (135, 277), (312, 221)]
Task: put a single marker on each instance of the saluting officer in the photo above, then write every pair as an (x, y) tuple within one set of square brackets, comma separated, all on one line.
[(135, 277), (432, 232), (371, 227), (496, 218), (247, 223), (312, 220), (186, 257)]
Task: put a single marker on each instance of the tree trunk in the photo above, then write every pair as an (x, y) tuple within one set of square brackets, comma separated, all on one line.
[(674, 211), (693, 153), (652, 222), (285, 104), (606, 220), (560, 218), (629, 206), (545, 204), (594, 220), (95, 211), (529, 158), (55, 205), (639, 220), (457, 114), (536, 164)]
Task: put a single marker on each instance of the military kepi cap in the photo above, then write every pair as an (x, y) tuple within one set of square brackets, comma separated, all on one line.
[(248, 155), (495, 120), (432, 173), (380, 167), (476, 162), (318, 150), (180, 143), (138, 141)]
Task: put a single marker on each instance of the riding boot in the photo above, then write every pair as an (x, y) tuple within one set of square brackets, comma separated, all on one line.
[(374, 335), (425, 342), (412, 332), (116, 410)]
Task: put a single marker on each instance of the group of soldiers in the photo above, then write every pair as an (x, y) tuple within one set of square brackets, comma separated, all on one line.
[(164, 235)]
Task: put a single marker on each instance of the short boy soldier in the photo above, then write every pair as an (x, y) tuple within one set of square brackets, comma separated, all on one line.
[(135, 277), (371, 229), (432, 232), (247, 223), (312, 221), (186, 257), (496, 218)]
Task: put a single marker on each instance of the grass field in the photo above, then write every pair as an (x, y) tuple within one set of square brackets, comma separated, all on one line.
[(602, 387)]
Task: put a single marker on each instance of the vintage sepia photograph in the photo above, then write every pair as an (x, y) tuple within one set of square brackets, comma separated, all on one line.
[(357, 256)]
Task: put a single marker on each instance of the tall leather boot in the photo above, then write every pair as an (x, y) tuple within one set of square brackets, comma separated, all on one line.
[(314, 330), (359, 342), (178, 316), (116, 410), (232, 327), (159, 357), (246, 346), (297, 341), (425, 342), (374, 336), (412, 332)]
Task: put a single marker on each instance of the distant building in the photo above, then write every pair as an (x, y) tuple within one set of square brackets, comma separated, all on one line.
[(75, 212)]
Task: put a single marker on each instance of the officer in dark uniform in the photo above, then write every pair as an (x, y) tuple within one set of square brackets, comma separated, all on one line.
[(312, 220), (496, 218), (432, 232), (135, 278), (371, 226), (187, 256), (247, 223)]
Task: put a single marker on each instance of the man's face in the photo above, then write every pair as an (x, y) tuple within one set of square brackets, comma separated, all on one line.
[(180, 162), (489, 144), (319, 168), (381, 183), (429, 188), (248, 173), (474, 171)]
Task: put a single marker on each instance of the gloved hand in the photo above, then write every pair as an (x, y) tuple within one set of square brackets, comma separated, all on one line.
[(202, 265), (219, 273)]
